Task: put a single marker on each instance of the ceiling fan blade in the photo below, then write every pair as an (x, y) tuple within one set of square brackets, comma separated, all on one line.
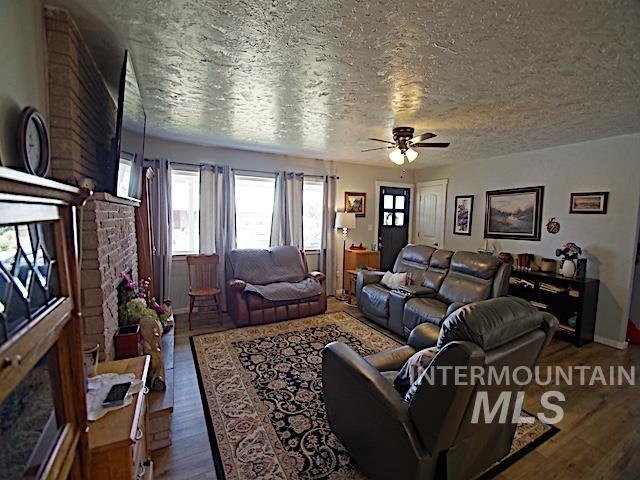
[(424, 136), (378, 140), (432, 145), (379, 148)]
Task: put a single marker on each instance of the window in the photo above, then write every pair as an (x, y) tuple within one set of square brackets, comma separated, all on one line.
[(312, 206), (124, 176), (185, 211), (254, 208), (393, 206)]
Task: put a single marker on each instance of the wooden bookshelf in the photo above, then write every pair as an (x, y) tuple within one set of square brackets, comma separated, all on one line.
[(565, 298)]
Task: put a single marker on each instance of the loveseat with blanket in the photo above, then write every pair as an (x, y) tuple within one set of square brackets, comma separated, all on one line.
[(272, 285)]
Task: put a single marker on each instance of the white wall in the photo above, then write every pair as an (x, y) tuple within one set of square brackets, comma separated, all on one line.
[(611, 164), (353, 177), (22, 69)]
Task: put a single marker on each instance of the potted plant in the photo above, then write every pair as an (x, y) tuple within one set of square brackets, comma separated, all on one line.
[(568, 252), (134, 305)]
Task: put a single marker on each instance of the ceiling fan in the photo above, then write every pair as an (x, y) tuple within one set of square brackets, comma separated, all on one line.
[(404, 144)]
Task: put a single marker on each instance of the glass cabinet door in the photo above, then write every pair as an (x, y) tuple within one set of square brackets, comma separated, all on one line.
[(28, 274), (29, 427)]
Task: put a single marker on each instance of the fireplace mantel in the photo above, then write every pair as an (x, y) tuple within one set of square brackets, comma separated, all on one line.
[(107, 197)]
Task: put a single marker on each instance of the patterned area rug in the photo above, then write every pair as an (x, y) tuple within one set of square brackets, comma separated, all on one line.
[(262, 392)]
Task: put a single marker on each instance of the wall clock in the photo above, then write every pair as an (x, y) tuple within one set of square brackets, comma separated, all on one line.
[(33, 142)]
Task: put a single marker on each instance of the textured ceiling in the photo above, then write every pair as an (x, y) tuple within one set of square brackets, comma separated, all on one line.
[(315, 78)]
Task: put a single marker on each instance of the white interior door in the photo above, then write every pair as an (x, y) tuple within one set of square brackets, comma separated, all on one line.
[(430, 212)]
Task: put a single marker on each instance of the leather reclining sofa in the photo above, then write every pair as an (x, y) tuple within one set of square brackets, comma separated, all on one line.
[(441, 282)]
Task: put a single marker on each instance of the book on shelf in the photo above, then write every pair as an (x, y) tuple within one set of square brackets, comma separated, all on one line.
[(521, 282), (541, 306), (547, 287)]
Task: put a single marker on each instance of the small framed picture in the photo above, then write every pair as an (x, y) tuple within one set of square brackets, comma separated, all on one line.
[(592, 202), (355, 202), (463, 215)]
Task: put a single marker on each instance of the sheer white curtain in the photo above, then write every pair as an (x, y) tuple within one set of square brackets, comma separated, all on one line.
[(208, 179), (217, 216), (286, 221), (328, 246), (160, 203)]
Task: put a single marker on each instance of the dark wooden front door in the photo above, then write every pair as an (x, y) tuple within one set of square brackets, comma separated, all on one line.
[(393, 224)]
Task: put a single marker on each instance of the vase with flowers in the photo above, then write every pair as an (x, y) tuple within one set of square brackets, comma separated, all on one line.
[(569, 252), (136, 304)]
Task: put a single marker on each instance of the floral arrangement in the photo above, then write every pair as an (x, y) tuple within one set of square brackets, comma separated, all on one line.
[(569, 251), (135, 303)]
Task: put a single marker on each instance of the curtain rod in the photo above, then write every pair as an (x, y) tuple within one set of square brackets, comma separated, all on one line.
[(276, 173), (241, 169)]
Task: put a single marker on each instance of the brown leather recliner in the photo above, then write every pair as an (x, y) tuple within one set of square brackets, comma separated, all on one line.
[(432, 434), (250, 308)]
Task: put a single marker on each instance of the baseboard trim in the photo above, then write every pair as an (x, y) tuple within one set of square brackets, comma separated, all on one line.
[(611, 343)]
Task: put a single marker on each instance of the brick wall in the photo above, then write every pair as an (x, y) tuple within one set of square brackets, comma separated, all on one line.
[(82, 112), (82, 122), (108, 249)]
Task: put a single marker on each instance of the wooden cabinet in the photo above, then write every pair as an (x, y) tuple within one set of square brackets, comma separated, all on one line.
[(119, 441), (42, 400), (574, 301), (355, 259)]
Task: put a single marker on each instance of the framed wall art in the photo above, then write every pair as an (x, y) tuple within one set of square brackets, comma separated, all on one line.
[(355, 202), (514, 214), (463, 215), (592, 202)]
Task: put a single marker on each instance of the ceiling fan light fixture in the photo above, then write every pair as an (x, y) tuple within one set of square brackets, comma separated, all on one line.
[(396, 156), (411, 154)]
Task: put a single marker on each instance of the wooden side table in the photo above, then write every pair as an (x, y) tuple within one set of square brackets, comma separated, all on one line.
[(352, 275), (119, 441), (353, 260), (361, 258)]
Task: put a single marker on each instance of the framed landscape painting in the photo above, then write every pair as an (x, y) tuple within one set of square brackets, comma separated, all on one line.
[(592, 202), (463, 215), (514, 214), (355, 202)]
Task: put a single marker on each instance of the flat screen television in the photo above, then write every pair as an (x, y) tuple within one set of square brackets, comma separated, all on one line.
[(127, 150)]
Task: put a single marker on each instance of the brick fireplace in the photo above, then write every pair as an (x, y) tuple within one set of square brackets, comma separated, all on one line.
[(82, 122), (108, 249)]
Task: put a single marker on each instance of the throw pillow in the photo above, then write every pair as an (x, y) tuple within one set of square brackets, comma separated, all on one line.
[(394, 281), (412, 369)]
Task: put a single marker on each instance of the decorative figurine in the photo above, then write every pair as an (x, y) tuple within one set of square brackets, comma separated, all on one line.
[(152, 345)]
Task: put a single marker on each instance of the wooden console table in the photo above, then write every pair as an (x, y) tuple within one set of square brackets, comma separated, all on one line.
[(119, 441), (574, 301)]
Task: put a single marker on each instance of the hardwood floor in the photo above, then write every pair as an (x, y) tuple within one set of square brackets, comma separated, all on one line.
[(599, 436)]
